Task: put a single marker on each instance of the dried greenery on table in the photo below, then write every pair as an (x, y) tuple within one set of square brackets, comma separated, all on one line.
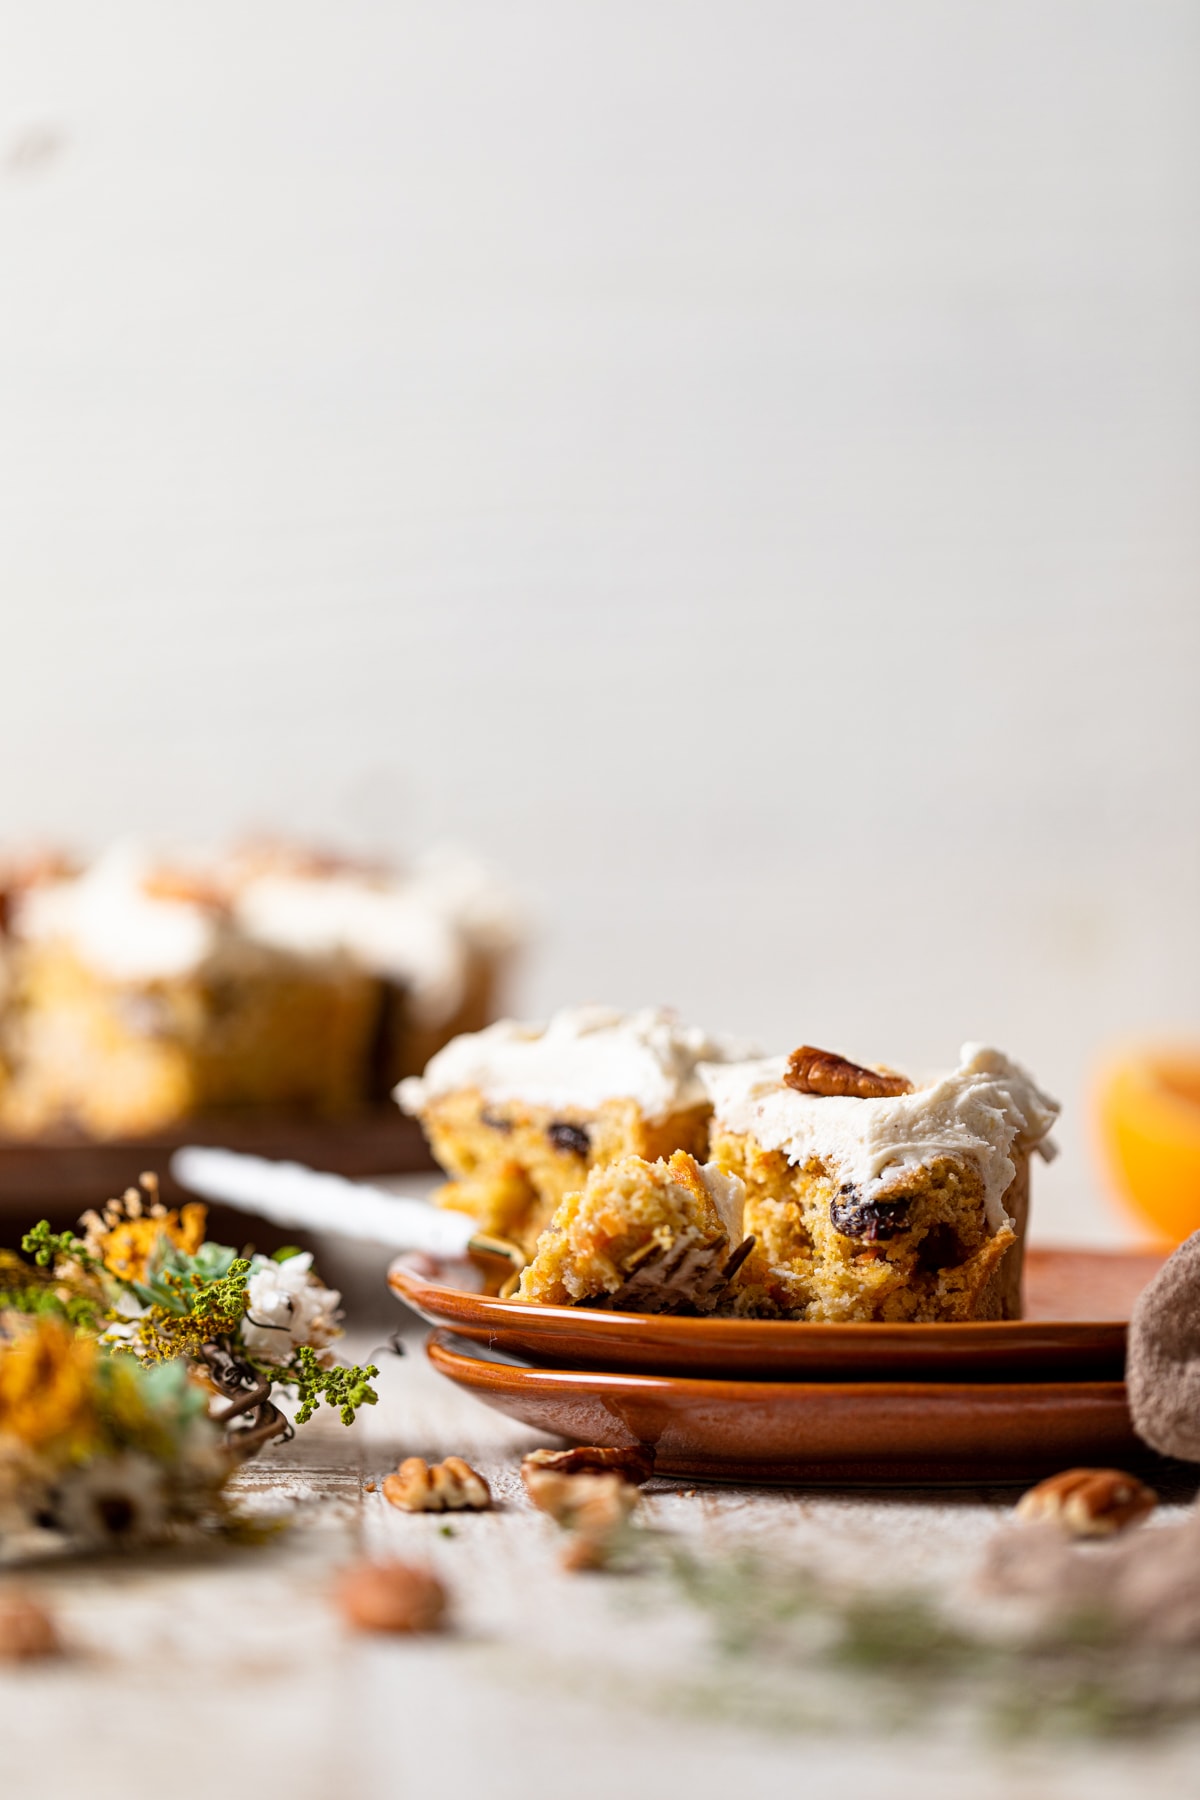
[(1093, 1645), (1082, 1616), (1079, 1619), (113, 1343)]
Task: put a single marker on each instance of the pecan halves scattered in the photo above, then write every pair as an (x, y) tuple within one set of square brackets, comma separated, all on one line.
[(591, 1508), (592, 1501), (812, 1071), (1089, 1502), (635, 1465), (449, 1486)]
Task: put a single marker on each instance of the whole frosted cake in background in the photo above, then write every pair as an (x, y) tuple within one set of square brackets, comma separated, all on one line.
[(518, 1114), (439, 938), (870, 1198), (144, 989), (135, 1001)]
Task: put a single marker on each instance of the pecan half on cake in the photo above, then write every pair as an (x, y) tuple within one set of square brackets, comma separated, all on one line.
[(870, 1198)]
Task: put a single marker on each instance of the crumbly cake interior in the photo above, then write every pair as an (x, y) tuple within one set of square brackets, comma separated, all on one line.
[(600, 1233), (512, 1164), (918, 1248)]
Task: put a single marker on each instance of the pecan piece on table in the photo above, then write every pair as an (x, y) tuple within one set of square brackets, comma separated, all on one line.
[(812, 1071), (449, 1486), (1089, 1502), (635, 1465), (28, 1632), (391, 1596), (592, 1508)]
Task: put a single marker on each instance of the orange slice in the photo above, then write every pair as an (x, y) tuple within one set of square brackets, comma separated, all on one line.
[(1148, 1112)]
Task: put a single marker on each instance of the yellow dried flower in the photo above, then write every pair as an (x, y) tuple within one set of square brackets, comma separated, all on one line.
[(126, 1248), (47, 1389)]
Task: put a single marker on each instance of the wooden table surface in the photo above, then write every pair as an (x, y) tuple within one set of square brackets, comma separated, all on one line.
[(230, 1672)]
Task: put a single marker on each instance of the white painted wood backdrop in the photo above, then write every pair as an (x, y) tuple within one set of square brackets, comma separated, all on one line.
[(737, 464)]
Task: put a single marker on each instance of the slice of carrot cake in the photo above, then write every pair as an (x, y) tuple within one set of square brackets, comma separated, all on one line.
[(872, 1198), (518, 1114), (641, 1237)]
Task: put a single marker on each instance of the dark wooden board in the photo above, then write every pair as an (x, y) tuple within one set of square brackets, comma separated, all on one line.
[(59, 1179)]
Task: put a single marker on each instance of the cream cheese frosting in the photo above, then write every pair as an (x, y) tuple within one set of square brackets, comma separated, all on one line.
[(978, 1111), (473, 896), (384, 924), (419, 928), (114, 925), (582, 1057), (728, 1195)]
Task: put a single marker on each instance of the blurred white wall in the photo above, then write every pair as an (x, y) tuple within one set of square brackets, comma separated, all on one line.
[(735, 463)]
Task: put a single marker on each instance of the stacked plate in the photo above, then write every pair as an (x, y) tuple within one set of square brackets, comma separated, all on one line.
[(798, 1404)]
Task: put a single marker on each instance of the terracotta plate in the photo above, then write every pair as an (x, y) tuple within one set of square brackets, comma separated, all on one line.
[(808, 1433), (1077, 1303)]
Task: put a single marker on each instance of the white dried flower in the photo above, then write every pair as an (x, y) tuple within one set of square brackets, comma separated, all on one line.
[(114, 1502), (124, 1329), (286, 1308)]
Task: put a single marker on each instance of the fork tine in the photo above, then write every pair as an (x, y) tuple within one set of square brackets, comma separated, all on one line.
[(671, 1277), (737, 1259)]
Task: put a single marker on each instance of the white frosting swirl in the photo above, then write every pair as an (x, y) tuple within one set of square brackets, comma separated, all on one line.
[(977, 1111), (582, 1057), (470, 894), (114, 926)]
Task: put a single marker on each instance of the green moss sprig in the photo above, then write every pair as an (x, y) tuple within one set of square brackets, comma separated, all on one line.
[(186, 1310), (49, 1248), (345, 1389)]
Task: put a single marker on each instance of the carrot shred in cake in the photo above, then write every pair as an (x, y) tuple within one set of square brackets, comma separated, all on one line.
[(626, 1220)]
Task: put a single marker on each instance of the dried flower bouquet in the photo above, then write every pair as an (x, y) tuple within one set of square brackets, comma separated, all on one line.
[(137, 1367)]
